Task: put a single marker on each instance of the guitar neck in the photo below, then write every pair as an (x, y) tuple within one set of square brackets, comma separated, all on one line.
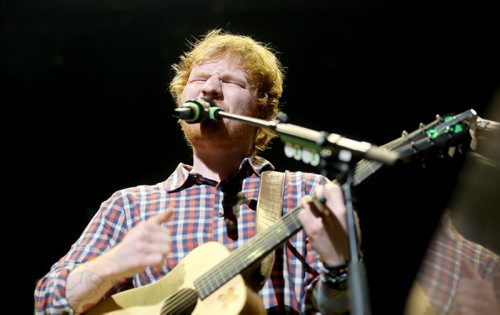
[(247, 254), (409, 145), (420, 140)]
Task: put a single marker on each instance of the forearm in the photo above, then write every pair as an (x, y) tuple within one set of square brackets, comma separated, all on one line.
[(87, 284)]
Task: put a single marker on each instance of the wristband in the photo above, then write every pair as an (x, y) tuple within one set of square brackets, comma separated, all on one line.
[(333, 277)]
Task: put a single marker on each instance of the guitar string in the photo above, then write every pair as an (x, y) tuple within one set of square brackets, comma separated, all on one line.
[(203, 284), (367, 167), (243, 256), (363, 167), (441, 125), (185, 296), (246, 254)]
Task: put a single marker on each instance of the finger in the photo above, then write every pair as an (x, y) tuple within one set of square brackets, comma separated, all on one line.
[(312, 206), (160, 247), (158, 234), (335, 200), (156, 260), (161, 217), (319, 202)]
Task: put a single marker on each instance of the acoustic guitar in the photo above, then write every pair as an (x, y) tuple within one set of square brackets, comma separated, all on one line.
[(209, 279)]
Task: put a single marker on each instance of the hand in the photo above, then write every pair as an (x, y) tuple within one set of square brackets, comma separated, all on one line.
[(326, 225), (147, 244), (474, 294)]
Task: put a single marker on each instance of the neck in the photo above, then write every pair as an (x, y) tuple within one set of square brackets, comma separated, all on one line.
[(217, 164)]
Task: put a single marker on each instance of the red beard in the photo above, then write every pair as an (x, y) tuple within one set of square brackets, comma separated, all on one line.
[(218, 134)]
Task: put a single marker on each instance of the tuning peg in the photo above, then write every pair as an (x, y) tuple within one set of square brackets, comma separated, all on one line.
[(404, 133), (413, 146)]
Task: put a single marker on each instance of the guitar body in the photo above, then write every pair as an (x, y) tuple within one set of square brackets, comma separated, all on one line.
[(227, 293), (175, 293)]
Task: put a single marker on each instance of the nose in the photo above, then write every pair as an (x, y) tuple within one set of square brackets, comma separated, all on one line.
[(212, 88)]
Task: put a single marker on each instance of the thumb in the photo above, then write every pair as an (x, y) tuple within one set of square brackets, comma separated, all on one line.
[(161, 217)]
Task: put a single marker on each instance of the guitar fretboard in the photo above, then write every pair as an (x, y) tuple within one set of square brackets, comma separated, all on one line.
[(251, 252), (263, 243)]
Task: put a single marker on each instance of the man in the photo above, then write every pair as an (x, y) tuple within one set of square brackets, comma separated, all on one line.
[(141, 233)]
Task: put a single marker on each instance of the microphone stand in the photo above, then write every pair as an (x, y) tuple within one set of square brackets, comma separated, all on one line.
[(356, 281), (348, 151), (343, 172)]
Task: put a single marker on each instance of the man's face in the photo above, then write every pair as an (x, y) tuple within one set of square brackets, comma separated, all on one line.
[(226, 83)]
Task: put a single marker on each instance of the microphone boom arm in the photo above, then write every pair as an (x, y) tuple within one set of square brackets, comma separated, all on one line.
[(316, 140)]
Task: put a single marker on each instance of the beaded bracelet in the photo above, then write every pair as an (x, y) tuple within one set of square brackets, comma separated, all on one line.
[(334, 277)]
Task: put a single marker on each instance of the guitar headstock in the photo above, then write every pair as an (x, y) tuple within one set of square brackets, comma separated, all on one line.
[(446, 135)]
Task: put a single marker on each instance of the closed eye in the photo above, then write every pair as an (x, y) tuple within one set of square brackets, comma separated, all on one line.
[(235, 82), (197, 80)]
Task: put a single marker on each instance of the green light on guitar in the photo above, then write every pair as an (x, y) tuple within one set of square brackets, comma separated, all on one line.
[(433, 133), (457, 128)]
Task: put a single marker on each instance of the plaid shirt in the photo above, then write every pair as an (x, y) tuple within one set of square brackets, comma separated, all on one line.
[(204, 211), (442, 267)]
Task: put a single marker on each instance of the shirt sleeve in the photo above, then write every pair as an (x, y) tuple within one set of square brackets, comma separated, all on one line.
[(105, 230)]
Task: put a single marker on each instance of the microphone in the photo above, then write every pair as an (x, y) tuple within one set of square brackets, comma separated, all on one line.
[(197, 110)]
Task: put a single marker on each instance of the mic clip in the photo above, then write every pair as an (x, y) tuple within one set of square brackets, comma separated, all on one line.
[(197, 110)]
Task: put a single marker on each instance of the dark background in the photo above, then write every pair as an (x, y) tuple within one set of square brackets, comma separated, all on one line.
[(86, 102)]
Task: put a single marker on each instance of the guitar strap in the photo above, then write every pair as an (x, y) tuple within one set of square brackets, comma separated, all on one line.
[(269, 207)]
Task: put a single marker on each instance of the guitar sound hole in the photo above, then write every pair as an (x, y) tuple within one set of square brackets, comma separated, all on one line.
[(181, 302)]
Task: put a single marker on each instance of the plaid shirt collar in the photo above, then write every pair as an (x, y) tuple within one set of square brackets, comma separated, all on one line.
[(182, 176)]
